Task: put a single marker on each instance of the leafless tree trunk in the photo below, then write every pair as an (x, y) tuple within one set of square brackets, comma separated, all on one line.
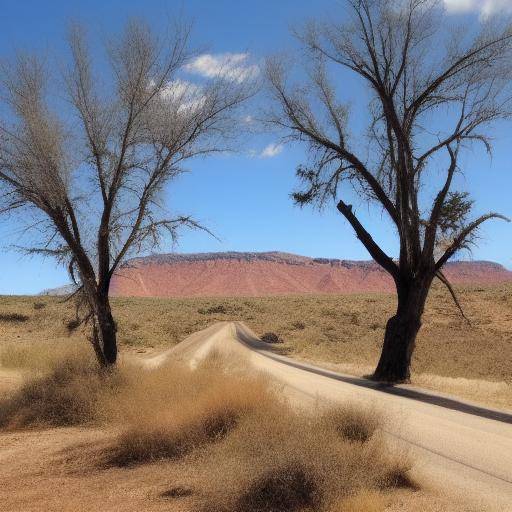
[(427, 105), (93, 175)]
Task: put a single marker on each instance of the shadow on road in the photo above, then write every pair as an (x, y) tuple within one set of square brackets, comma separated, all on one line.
[(411, 393)]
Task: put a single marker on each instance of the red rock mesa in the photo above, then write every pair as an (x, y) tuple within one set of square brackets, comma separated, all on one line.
[(271, 273)]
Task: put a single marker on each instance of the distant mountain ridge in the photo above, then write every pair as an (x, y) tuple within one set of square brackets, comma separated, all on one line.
[(271, 273), (67, 289)]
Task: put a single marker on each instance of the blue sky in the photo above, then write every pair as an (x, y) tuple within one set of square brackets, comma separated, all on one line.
[(244, 197)]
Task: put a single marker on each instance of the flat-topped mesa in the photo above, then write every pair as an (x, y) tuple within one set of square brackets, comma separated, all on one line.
[(271, 273)]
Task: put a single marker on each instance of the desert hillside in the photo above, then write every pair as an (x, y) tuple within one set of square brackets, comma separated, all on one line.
[(271, 273)]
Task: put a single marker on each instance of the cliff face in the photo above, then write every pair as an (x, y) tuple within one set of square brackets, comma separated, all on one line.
[(271, 273)]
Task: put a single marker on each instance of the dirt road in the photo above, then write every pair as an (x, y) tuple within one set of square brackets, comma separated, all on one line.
[(463, 450)]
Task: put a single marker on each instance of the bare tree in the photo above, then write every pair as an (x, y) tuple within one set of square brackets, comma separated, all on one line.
[(434, 91), (93, 174)]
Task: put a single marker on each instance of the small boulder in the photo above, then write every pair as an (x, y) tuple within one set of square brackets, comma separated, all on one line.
[(271, 337)]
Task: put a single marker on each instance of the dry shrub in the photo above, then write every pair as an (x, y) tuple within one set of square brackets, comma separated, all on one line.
[(72, 325), (285, 488), (16, 318), (353, 423), (179, 410), (212, 310), (285, 460), (148, 442), (176, 493), (67, 395), (270, 337)]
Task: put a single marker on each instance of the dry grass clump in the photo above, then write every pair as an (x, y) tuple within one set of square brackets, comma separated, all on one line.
[(284, 460), (72, 325), (67, 395), (284, 488), (13, 317), (219, 309), (179, 416), (354, 423)]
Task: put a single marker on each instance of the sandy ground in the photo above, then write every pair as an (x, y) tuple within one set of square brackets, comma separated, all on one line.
[(54, 471)]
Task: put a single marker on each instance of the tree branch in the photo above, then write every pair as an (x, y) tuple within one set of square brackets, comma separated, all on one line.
[(433, 223), (366, 239), (448, 285), (463, 235)]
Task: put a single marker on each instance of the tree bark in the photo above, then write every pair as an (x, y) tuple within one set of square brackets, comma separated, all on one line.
[(401, 331), (104, 332), (108, 331)]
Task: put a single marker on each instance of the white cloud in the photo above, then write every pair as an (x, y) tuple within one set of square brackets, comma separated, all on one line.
[(231, 66), (271, 151), (486, 8), (178, 89), (491, 7), (460, 5), (183, 95)]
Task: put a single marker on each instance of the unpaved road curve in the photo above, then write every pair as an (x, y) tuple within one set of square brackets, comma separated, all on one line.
[(463, 453)]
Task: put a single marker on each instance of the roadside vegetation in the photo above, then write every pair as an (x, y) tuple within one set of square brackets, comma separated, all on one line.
[(341, 332), (210, 418)]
